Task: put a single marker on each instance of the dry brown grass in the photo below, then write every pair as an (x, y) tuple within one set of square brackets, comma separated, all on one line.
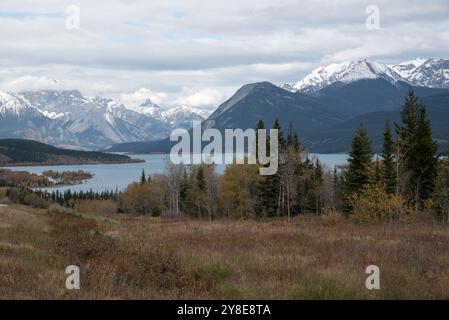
[(143, 257)]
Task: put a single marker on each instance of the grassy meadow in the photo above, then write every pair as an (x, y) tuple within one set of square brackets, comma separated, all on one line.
[(123, 256)]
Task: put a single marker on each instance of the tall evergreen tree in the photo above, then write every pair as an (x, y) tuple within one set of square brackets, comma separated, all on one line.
[(418, 151), (282, 142), (270, 185), (388, 170), (143, 178), (423, 161), (409, 114), (377, 173), (360, 158), (318, 183), (201, 182), (260, 125)]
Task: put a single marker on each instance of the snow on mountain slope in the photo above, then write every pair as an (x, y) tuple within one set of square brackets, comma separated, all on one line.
[(183, 115), (405, 69), (177, 116), (69, 118), (344, 72), (433, 73), (147, 107), (80, 120), (10, 104)]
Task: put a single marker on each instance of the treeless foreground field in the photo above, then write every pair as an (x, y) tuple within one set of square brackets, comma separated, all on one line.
[(123, 257)]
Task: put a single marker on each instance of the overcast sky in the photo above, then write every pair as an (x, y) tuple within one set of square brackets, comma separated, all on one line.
[(198, 52)]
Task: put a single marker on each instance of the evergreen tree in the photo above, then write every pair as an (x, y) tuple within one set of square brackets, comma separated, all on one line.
[(360, 158), (409, 114), (388, 170), (318, 172), (441, 194), (318, 183), (143, 178), (418, 150), (423, 161), (260, 125), (282, 142), (201, 183), (270, 188)]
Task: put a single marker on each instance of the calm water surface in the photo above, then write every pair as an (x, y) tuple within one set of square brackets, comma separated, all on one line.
[(118, 176)]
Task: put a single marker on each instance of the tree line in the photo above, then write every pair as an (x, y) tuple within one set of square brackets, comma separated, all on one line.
[(406, 177)]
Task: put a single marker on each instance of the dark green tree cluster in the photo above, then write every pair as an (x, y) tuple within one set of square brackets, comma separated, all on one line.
[(407, 166)]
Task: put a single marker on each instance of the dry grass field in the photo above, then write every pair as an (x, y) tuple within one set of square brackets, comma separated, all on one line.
[(124, 257)]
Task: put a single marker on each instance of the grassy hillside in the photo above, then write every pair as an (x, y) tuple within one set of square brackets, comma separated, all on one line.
[(142, 257), (18, 151)]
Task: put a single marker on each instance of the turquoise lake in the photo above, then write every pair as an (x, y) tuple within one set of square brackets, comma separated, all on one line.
[(118, 176)]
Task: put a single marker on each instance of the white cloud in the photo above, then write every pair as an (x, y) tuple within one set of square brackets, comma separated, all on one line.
[(139, 96), (207, 98)]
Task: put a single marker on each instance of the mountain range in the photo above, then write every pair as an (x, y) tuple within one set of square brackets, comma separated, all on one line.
[(69, 119), (324, 107), (327, 105)]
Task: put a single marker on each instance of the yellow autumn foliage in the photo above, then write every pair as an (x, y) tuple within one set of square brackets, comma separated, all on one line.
[(375, 205)]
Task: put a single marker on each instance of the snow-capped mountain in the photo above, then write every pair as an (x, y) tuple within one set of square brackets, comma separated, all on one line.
[(344, 72), (175, 117), (182, 116), (405, 69), (67, 118), (431, 73)]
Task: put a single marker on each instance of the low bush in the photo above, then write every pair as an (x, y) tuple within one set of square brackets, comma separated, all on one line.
[(375, 205)]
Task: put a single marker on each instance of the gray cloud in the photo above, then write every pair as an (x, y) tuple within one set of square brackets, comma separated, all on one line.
[(201, 51)]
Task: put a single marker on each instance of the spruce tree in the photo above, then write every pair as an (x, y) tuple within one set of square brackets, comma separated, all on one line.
[(377, 174), (409, 114), (360, 158), (260, 125), (318, 183), (270, 185), (388, 170), (423, 161), (143, 178), (418, 150)]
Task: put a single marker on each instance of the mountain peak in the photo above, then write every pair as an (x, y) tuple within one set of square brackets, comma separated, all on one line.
[(432, 73), (344, 72)]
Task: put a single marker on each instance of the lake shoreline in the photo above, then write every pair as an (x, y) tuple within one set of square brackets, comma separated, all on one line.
[(53, 164), (119, 176)]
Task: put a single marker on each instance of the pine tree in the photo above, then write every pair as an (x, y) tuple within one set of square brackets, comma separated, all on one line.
[(441, 194), (260, 125), (409, 114), (360, 158), (418, 150), (282, 142), (377, 173), (388, 170), (270, 186), (423, 160), (201, 183), (318, 183), (143, 178)]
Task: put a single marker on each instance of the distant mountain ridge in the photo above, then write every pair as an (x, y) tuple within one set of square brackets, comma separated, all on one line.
[(322, 107), (67, 118), (327, 106), (431, 73)]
